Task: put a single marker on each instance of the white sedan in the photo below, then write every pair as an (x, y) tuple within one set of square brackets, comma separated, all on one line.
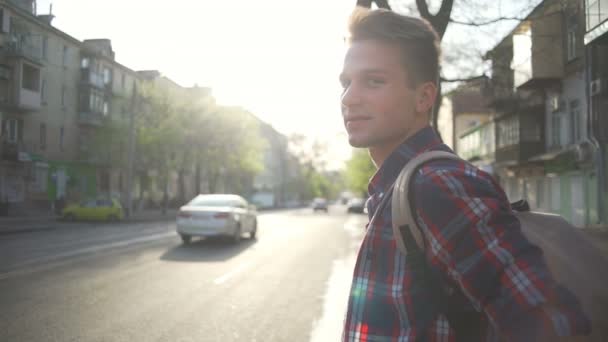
[(217, 215)]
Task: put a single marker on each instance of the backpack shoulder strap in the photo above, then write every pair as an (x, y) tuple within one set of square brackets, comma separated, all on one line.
[(402, 216)]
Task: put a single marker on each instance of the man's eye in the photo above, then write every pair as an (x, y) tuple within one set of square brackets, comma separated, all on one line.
[(374, 82)]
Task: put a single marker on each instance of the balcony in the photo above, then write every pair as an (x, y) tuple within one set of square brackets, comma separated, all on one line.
[(91, 118), (479, 143), (17, 49), (520, 136), (23, 101), (17, 151), (538, 60)]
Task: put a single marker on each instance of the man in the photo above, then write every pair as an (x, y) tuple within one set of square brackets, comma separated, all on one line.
[(473, 240)]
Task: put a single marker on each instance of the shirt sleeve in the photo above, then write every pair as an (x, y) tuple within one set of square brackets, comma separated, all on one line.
[(472, 236)]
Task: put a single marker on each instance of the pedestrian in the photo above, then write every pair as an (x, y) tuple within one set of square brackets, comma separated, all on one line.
[(500, 285)]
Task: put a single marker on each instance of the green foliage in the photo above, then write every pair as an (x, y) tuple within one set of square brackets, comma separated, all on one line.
[(359, 170), (176, 131)]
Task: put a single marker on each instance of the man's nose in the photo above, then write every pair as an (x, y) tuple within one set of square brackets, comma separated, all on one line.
[(351, 96)]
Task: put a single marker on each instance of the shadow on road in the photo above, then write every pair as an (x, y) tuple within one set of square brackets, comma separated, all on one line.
[(207, 250)]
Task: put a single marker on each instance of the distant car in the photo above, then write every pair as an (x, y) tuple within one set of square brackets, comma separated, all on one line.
[(217, 216), (319, 204), (356, 205), (94, 209)]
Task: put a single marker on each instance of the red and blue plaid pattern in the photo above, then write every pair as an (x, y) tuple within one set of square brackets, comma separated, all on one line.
[(472, 239)]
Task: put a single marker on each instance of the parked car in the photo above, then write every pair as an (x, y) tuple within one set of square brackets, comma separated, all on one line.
[(356, 205), (94, 209), (319, 204), (222, 215)]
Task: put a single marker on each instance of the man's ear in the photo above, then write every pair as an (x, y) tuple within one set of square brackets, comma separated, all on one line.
[(426, 93)]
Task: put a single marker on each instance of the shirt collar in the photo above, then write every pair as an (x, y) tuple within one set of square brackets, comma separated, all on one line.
[(423, 140)]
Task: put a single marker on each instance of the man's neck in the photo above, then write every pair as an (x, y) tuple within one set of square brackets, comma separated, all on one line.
[(379, 154)]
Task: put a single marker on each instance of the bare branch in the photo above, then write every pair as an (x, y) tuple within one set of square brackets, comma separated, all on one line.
[(483, 23), (382, 4), (440, 20), (364, 3), (379, 3), (465, 79), (423, 8)]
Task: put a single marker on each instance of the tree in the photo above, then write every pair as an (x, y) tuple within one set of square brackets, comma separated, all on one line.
[(359, 170)]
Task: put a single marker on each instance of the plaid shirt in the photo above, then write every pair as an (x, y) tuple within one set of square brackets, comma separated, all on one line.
[(472, 239)]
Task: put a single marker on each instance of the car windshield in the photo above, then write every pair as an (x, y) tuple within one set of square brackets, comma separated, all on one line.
[(214, 201)]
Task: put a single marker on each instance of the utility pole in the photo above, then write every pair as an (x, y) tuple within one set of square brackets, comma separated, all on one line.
[(131, 149)]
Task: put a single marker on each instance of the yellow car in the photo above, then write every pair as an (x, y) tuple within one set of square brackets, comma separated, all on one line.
[(99, 210)]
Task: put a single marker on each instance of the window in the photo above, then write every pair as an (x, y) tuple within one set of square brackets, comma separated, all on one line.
[(106, 108), (45, 46), (576, 117), (571, 38), (508, 132), (84, 62), (40, 180), (556, 124), (61, 137), (540, 193), (596, 12), (63, 96), (5, 72), (107, 76), (5, 21), (13, 130), (65, 56), (43, 91), (31, 78), (122, 81), (42, 136)]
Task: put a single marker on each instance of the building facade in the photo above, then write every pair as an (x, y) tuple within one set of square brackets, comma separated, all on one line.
[(544, 147)]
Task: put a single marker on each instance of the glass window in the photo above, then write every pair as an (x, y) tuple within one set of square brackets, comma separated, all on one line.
[(65, 55), (84, 63), (30, 78), (43, 90), (107, 76), (45, 45), (42, 136), (575, 117), (61, 137)]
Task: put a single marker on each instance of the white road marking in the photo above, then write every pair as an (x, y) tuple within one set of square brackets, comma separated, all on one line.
[(231, 274), (329, 326)]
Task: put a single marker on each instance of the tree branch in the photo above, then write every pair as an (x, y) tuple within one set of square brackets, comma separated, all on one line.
[(364, 3), (465, 79), (368, 3), (482, 23), (440, 20), (382, 4), (423, 8)]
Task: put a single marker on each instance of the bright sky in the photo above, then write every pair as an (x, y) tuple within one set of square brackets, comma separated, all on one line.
[(278, 58)]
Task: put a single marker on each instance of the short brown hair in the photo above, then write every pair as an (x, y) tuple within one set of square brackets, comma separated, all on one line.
[(415, 37)]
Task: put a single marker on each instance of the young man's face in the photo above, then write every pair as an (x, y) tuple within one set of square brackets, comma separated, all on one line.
[(378, 103)]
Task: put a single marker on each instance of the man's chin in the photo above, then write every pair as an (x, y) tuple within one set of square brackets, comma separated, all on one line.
[(358, 143)]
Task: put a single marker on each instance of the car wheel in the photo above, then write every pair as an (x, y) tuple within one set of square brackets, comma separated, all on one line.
[(186, 238), (236, 238), (253, 232)]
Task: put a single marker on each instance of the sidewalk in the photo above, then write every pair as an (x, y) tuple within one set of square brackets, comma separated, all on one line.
[(18, 224)]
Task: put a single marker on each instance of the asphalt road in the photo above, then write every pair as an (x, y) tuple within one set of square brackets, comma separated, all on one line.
[(137, 282)]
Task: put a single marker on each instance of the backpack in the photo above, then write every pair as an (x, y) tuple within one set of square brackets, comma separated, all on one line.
[(467, 322)]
